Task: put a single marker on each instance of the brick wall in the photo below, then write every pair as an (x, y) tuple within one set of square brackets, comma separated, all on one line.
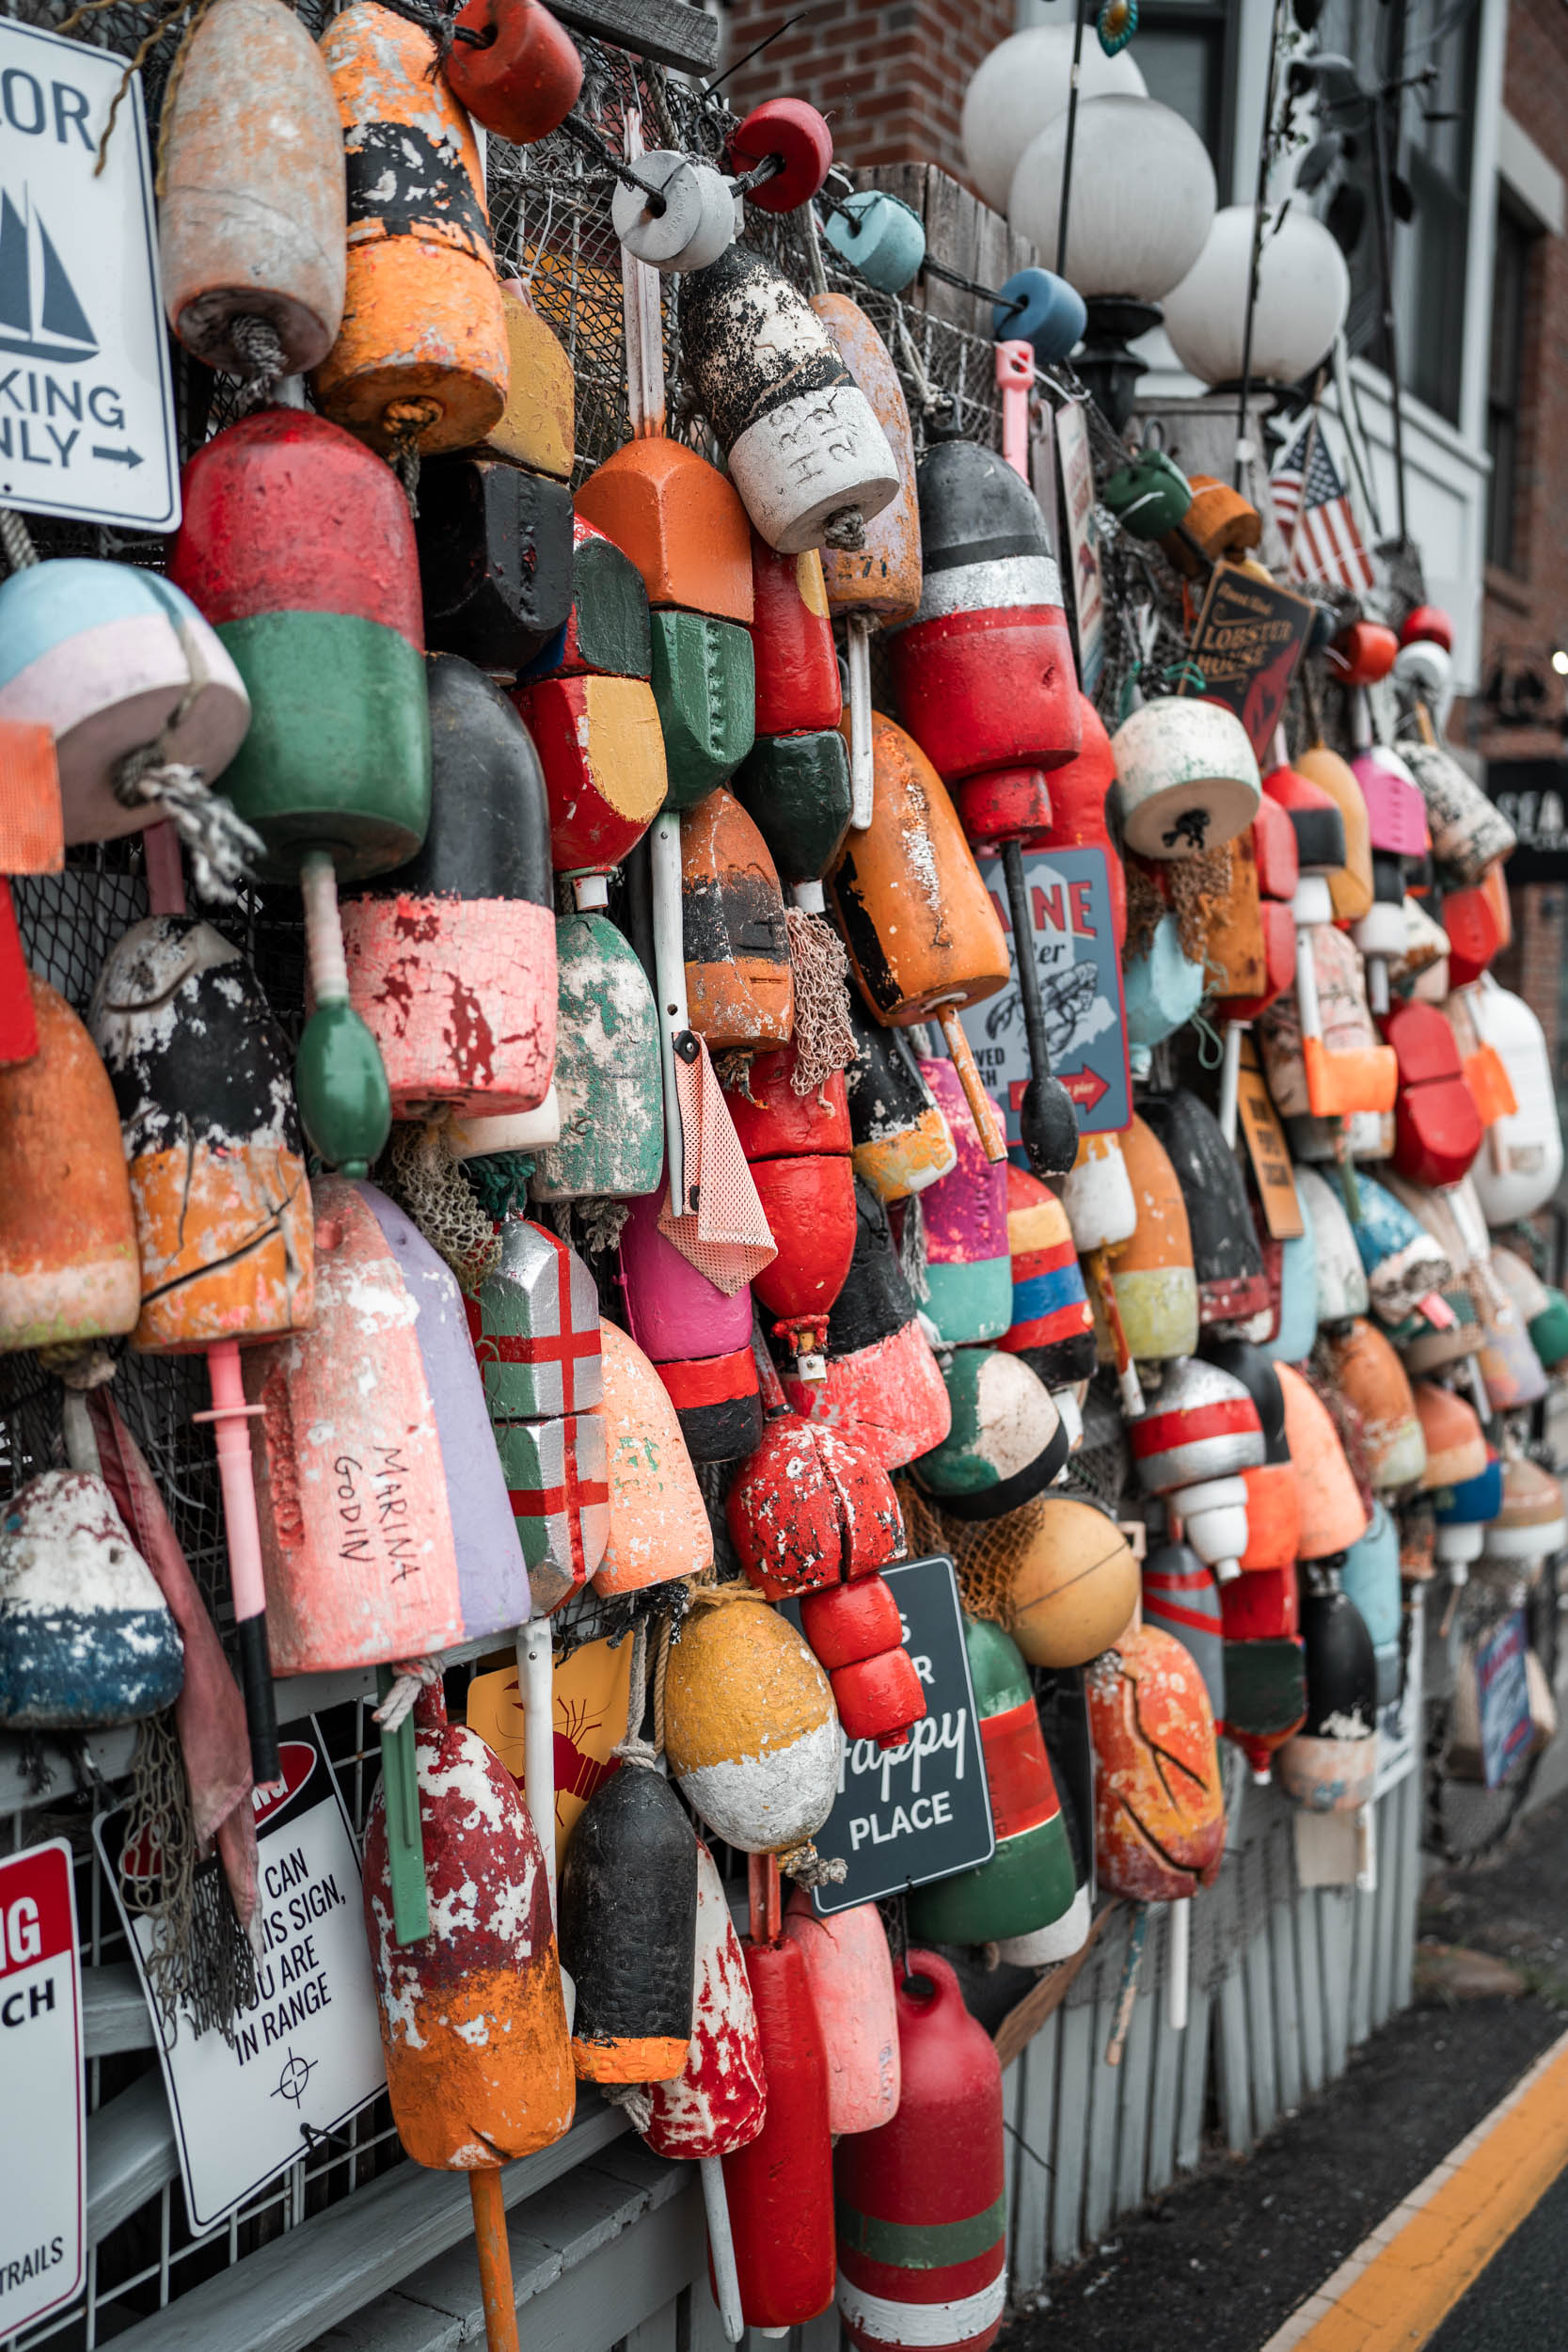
[(889, 74)]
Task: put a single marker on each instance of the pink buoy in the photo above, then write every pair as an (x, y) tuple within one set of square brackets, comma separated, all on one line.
[(850, 1970)]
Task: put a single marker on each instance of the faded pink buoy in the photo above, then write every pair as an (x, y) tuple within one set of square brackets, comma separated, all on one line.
[(850, 1970)]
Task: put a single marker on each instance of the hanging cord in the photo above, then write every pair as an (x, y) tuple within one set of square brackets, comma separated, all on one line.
[(411, 1676), (221, 844), (406, 421), (260, 345), (933, 403)]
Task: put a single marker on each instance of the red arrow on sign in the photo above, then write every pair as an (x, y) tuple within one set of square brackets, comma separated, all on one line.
[(1086, 1087)]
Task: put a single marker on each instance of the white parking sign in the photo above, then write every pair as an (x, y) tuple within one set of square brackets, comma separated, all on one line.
[(42, 2135), (86, 416)]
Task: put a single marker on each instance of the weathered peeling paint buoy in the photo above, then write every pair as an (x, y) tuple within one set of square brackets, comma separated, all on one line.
[(751, 1731), (628, 1930), (86, 1636)]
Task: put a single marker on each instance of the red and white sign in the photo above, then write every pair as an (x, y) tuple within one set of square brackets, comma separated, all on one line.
[(43, 2101)]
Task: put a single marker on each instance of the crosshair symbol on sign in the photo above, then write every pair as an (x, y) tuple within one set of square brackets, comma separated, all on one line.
[(297, 2074)]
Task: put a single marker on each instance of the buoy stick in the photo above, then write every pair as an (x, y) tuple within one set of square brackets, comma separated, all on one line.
[(981, 1108), (721, 2240), (404, 1838), (1179, 1978), (1230, 1080), (664, 857), (863, 768), (493, 2249), (1037, 1116), (765, 1922), (1080, 10), (1099, 1264), (165, 891), (1129, 1986), (1365, 1840), (536, 1683)]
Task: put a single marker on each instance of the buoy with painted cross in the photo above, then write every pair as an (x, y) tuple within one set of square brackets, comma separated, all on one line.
[(420, 363), (535, 1323), (452, 957), (923, 2246)]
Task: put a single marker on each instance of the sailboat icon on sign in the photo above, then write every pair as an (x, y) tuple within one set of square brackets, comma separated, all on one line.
[(40, 317)]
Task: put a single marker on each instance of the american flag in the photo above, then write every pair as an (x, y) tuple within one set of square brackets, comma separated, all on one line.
[(1314, 513)]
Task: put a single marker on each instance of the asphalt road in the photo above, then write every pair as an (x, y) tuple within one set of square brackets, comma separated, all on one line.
[(1521, 2298)]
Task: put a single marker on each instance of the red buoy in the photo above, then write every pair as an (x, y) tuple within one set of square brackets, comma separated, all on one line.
[(798, 1148), (780, 2188), (922, 2202)]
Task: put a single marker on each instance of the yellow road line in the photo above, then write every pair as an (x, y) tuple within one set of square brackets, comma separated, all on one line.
[(1404, 2280)]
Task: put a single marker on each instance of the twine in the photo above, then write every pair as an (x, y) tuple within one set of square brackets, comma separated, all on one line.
[(260, 345), (824, 1040), (412, 1675)]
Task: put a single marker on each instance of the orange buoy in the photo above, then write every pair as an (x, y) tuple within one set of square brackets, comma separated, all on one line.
[(741, 989), (1333, 1515), (1159, 1803), (657, 1526), (250, 213), (70, 1269), (420, 363), (1153, 1274)]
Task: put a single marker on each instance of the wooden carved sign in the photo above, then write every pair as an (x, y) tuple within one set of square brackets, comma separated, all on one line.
[(1248, 643), (906, 1815), (1267, 1149)]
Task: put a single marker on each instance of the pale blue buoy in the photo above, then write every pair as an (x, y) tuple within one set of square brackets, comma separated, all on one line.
[(879, 236), (1052, 318), (1163, 992)]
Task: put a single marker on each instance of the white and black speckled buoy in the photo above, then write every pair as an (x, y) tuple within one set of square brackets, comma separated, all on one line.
[(86, 1637), (805, 450)]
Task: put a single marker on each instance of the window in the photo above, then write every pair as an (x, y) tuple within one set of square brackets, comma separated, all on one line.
[(1387, 41), (1514, 254)]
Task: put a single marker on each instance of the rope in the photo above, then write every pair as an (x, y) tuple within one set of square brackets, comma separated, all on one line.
[(632, 1748), (406, 421), (260, 347), (824, 1040), (80, 1367), (933, 403), (808, 1867), (413, 1676), (220, 842)]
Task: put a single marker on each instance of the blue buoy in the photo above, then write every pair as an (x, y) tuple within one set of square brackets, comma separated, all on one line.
[(1052, 317), (879, 236)]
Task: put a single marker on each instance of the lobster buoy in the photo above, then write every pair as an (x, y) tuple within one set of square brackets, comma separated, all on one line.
[(1295, 1275), (1438, 1128), (704, 690), (70, 1263), (1226, 1257), (780, 2186), (795, 139), (451, 959), (1273, 1511), (1156, 1288), (1053, 1323), (1181, 1598), (717, 2103), (534, 1324), (1068, 1581), (1365, 1367), (850, 1970), (804, 444), (880, 236), (520, 75), (1342, 1293), (697, 1338), (1187, 777), (607, 1070), (1006, 1441), (250, 215), (86, 1636), (901, 1143), (922, 2244), (657, 1526), (678, 214), (1371, 1577), (602, 754), (797, 1147), (1159, 1805), (1201, 1432), (739, 984), (750, 1732), (797, 687), (1028, 1882), (421, 361), (1405, 1263), (1329, 1765), (628, 1930), (1521, 1165), (969, 1269), (537, 428), (1333, 1515), (494, 561), (473, 2024), (883, 1378)]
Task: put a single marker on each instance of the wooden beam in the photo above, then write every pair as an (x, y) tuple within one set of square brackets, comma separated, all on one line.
[(669, 31), (1024, 2021)]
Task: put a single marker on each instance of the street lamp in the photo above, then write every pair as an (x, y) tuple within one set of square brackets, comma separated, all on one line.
[(1303, 295)]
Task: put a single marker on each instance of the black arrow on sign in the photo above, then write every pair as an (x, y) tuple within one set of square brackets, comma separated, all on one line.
[(117, 456)]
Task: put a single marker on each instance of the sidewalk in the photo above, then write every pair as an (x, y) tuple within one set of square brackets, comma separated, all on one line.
[(1222, 2261)]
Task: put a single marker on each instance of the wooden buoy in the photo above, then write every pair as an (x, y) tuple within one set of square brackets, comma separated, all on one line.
[(608, 632), (741, 989), (923, 2246), (114, 661), (69, 1265), (1028, 1881), (251, 211), (296, 544), (1479, 924), (1291, 1266), (607, 1070), (494, 561), (849, 1971), (793, 140), (876, 585), (473, 2024), (901, 1141), (1342, 1293), (451, 959), (717, 2103), (1181, 1598), (968, 1257), (697, 1337), (1404, 1264), (515, 68), (535, 1323), (883, 1378), (680, 522), (1438, 1128), (803, 445), (1273, 1507), (537, 428), (798, 1148), (628, 1930), (1155, 1287), (421, 361), (1187, 777), (921, 930), (1333, 1515), (1329, 1765), (1162, 988), (1521, 1165), (1006, 1441), (657, 1526), (602, 751), (87, 1640), (1200, 1432), (705, 689), (750, 1732), (797, 689), (1371, 1578), (1080, 796), (1363, 1364), (1350, 882), (1226, 1257), (210, 1137), (1053, 1323), (780, 2188), (1159, 1803)]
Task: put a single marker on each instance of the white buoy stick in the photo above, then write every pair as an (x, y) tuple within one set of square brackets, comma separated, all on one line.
[(862, 767), (721, 2245), (664, 860), (1179, 1979)]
